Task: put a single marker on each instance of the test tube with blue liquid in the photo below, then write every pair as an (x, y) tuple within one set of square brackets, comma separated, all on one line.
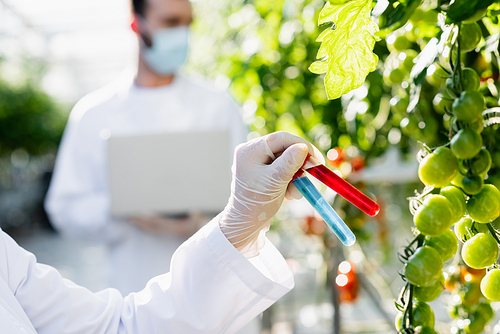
[(331, 218)]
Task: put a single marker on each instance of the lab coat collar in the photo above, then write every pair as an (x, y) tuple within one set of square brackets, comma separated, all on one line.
[(166, 89)]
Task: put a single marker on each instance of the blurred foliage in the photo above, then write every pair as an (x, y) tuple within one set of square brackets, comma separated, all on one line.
[(264, 49), (30, 119)]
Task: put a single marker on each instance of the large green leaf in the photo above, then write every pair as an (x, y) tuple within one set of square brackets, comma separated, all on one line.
[(345, 54)]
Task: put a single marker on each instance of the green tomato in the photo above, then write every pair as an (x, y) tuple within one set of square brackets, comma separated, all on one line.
[(471, 294), (417, 15), (466, 144), (470, 36), (486, 311), (485, 206), (400, 104), (470, 79), (430, 17), (480, 251), (469, 106), (401, 43), (445, 244), (423, 315), (457, 199), (437, 77), (408, 61), (429, 293), (435, 216), (397, 76), (398, 321), (481, 163), (490, 101), (438, 168), (478, 15), (424, 267), (442, 103), (464, 230), (476, 324), (490, 285), (427, 330), (476, 125), (472, 185), (495, 157), (429, 131), (409, 125)]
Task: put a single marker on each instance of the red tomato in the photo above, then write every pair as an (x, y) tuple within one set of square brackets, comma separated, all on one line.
[(347, 282), (357, 163), (335, 156), (313, 225)]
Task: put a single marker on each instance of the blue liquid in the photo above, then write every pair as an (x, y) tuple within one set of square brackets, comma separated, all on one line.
[(325, 210)]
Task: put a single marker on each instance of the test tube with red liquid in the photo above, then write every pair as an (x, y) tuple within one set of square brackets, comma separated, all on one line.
[(339, 185)]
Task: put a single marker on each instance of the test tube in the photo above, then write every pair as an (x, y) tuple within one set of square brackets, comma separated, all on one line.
[(331, 218), (342, 187)]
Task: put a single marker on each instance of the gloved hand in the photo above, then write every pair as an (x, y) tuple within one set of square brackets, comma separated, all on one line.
[(260, 182)]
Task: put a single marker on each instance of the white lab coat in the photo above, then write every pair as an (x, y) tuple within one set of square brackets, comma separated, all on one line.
[(211, 288), (78, 201)]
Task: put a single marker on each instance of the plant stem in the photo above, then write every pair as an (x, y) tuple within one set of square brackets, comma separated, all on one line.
[(408, 313), (458, 67), (493, 232), (418, 238)]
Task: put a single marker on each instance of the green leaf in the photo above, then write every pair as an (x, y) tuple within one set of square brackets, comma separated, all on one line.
[(463, 9), (345, 54), (398, 13)]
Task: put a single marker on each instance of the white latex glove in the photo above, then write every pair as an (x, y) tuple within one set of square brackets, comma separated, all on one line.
[(260, 182)]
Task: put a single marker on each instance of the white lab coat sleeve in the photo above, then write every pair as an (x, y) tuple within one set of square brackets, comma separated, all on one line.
[(78, 201), (211, 288)]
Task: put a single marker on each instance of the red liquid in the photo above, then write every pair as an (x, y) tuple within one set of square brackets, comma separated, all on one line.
[(344, 189)]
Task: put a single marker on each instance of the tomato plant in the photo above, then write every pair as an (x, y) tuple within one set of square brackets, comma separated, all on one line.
[(466, 144), (457, 199), (435, 216), (424, 267), (438, 168), (480, 251), (423, 315), (490, 285), (484, 207), (466, 229), (469, 36), (445, 244), (430, 293), (469, 105)]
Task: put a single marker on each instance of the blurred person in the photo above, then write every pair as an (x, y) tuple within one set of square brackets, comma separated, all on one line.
[(157, 100), (220, 278)]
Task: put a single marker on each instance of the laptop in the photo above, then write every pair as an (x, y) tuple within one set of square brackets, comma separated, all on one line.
[(171, 174)]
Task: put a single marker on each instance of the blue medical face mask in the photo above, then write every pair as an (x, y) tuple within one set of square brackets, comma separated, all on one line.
[(168, 51)]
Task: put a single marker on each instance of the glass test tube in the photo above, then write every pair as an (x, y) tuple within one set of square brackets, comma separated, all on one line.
[(342, 187), (331, 218)]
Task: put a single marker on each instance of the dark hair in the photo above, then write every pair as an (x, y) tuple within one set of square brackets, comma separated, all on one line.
[(139, 6)]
